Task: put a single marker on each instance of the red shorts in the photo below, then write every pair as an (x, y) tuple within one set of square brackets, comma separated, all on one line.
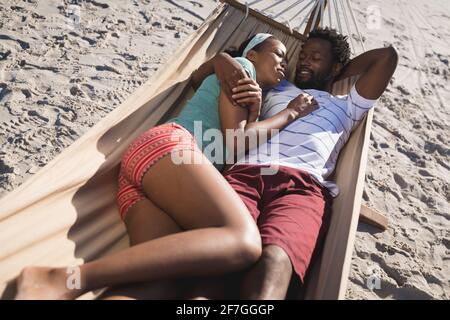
[(145, 151), (291, 209)]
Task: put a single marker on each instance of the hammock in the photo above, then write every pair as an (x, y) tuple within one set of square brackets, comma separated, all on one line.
[(66, 213)]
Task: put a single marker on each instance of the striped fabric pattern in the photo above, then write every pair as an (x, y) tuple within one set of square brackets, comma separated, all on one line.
[(311, 143)]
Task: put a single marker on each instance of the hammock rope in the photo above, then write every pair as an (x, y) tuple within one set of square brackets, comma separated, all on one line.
[(356, 25), (339, 16), (349, 32), (306, 18), (300, 12), (288, 8), (316, 13), (272, 6), (322, 14)]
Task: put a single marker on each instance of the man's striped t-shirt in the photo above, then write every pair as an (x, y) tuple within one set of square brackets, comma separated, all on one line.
[(311, 143)]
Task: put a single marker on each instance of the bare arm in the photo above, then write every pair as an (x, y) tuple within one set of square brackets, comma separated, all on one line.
[(243, 120), (376, 68), (227, 70)]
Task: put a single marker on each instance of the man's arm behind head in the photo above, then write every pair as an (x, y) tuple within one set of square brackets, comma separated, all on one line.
[(375, 68)]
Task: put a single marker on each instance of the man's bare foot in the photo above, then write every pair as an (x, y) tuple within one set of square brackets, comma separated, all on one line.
[(43, 283)]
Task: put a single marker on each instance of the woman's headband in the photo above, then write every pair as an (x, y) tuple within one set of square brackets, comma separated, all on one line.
[(257, 39)]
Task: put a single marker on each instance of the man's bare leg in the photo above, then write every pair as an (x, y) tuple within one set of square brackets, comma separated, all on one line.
[(270, 277)]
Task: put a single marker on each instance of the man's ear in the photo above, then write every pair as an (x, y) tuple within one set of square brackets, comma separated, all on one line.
[(337, 69), (252, 55)]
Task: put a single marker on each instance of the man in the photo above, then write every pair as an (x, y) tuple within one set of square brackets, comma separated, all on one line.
[(291, 205)]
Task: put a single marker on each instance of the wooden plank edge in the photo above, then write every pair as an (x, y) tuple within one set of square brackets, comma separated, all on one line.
[(373, 217)]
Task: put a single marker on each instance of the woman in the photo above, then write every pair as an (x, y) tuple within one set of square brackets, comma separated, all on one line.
[(218, 234)]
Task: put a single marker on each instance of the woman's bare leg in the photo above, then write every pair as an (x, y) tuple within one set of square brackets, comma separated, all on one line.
[(221, 235), (145, 222)]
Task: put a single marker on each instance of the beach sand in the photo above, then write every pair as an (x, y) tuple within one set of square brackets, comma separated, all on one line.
[(59, 76)]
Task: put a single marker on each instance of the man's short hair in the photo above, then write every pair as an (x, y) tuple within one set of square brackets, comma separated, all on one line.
[(339, 44)]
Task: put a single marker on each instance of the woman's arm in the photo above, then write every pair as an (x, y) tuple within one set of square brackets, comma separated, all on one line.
[(239, 125), (227, 70)]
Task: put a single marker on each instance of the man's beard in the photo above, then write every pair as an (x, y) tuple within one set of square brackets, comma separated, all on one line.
[(313, 82)]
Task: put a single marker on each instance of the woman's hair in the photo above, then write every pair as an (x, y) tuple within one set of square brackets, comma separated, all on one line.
[(237, 52)]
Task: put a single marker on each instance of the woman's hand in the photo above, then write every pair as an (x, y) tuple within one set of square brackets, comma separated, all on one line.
[(248, 94), (303, 105), (229, 72)]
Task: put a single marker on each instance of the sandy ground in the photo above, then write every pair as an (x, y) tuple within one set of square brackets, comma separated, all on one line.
[(65, 64), (60, 75), (408, 170)]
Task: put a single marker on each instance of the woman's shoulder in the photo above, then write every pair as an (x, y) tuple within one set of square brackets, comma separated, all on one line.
[(248, 66)]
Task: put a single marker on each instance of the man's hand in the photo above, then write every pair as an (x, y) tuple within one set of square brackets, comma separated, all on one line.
[(248, 94), (229, 72), (303, 105)]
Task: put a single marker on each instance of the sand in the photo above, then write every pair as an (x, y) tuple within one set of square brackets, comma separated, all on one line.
[(60, 75), (66, 64)]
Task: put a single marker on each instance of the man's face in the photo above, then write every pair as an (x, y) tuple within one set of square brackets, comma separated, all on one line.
[(314, 65)]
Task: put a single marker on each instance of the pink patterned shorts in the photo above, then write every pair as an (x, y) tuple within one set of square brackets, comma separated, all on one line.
[(145, 151)]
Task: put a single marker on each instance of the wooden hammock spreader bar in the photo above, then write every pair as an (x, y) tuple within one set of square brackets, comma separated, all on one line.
[(260, 16)]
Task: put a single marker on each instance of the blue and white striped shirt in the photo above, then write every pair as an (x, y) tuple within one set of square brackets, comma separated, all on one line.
[(311, 143)]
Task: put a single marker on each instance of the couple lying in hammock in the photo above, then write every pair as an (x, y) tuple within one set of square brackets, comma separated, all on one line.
[(262, 217)]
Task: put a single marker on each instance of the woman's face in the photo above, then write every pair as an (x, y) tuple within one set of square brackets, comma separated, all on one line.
[(270, 63)]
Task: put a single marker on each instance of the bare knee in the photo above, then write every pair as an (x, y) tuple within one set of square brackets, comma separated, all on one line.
[(247, 247), (252, 247)]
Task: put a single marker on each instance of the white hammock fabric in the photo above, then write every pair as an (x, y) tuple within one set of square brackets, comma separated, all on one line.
[(66, 214)]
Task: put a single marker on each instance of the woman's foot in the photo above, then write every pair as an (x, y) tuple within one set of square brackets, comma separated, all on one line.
[(43, 283)]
